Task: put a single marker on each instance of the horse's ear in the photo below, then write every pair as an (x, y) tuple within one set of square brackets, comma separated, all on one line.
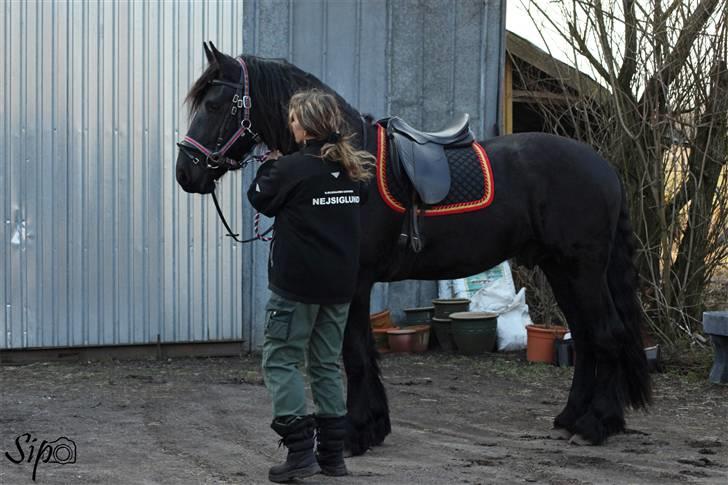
[(210, 53), (215, 52)]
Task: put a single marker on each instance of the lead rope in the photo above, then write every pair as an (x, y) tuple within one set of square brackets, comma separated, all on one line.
[(256, 219)]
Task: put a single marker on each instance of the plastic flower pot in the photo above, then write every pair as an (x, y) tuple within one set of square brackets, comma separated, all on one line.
[(564, 352), (401, 339), (474, 332), (653, 356), (381, 319), (444, 307), (422, 337), (381, 339), (540, 346), (442, 328), (418, 316)]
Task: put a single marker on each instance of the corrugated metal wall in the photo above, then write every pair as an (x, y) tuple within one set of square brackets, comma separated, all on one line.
[(99, 245)]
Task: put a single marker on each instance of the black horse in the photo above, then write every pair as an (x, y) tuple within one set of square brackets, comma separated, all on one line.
[(557, 204)]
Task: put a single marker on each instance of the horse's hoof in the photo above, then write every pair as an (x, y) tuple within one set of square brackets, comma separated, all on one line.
[(359, 440), (579, 440), (560, 434)]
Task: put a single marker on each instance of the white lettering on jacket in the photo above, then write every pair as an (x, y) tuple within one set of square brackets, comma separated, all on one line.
[(343, 199)]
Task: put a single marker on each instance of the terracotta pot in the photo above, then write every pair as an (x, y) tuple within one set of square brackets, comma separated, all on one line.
[(381, 339), (474, 332), (381, 319), (401, 339), (540, 346), (444, 307), (422, 337)]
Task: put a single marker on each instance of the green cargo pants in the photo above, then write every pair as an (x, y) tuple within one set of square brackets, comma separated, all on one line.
[(293, 331)]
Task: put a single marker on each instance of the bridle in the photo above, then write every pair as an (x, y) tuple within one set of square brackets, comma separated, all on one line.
[(240, 113), (216, 159)]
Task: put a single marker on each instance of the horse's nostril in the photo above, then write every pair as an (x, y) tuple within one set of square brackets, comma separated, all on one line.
[(181, 177)]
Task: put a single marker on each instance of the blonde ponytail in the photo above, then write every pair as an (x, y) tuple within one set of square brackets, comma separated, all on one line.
[(319, 115), (359, 164)]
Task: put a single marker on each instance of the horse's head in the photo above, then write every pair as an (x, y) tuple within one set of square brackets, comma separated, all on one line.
[(221, 133), (236, 104)]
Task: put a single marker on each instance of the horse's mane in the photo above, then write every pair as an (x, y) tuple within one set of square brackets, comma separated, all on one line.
[(272, 83)]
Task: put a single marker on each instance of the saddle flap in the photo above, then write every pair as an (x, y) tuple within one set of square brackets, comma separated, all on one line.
[(426, 167)]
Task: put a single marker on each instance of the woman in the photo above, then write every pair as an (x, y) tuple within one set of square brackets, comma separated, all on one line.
[(314, 195)]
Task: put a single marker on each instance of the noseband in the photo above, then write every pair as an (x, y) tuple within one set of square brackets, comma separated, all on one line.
[(240, 112)]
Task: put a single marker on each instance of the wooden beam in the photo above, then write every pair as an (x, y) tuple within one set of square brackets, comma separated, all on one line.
[(519, 96), (508, 94)]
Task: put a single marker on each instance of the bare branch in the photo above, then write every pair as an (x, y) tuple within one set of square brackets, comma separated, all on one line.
[(675, 60), (629, 66)]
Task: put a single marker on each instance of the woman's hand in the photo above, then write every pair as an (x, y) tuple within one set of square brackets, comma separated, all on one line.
[(273, 155)]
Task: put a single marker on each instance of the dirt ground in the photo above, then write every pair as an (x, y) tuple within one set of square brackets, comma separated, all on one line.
[(455, 420)]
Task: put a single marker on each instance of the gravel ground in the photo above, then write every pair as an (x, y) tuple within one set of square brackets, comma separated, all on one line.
[(455, 420)]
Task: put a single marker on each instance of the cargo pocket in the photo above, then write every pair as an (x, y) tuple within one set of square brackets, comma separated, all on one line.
[(278, 324)]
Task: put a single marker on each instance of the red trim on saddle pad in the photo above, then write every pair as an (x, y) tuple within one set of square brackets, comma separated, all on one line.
[(439, 210)]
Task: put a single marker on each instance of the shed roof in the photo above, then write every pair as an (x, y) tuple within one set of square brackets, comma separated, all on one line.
[(572, 78)]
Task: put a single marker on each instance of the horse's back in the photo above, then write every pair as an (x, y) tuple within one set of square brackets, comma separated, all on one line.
[(568, 186), (546, 152), (553, 163)]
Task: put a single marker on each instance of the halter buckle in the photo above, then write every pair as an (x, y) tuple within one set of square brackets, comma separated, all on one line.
[(213, 161), (247, 103)]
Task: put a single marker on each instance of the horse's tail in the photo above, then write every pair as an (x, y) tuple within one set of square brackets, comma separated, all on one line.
[(622, 280)]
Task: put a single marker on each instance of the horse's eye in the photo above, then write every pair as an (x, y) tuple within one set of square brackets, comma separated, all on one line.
[(212, 106)]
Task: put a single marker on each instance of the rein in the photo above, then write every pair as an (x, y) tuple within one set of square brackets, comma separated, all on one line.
[(230, 233), (258, 235)]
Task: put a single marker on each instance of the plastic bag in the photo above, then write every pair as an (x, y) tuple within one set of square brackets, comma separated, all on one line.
[(494, 291)]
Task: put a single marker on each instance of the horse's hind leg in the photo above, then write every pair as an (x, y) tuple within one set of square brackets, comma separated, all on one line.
[(581, 391), (595, 408), (366, 400)]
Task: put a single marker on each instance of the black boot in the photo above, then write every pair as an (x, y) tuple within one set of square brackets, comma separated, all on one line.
[(297, 434), (330, 449)]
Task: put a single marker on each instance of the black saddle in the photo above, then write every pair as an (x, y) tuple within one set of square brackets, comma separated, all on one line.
[(422, 155)]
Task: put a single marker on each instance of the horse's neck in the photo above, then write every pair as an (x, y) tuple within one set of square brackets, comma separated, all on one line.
[(370, 140)]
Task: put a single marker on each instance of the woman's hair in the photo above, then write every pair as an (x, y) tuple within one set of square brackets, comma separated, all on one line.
[(318, 114)]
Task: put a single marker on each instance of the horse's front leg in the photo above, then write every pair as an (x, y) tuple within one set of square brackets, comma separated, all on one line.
[(366, 399)]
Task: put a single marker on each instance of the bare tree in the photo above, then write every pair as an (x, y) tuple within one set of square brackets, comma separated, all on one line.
[(662, 119)]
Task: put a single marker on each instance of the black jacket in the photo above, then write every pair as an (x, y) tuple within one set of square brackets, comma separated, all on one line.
[(314, 255)]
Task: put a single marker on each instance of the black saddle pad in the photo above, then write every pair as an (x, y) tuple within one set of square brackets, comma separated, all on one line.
[(471, 180)]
